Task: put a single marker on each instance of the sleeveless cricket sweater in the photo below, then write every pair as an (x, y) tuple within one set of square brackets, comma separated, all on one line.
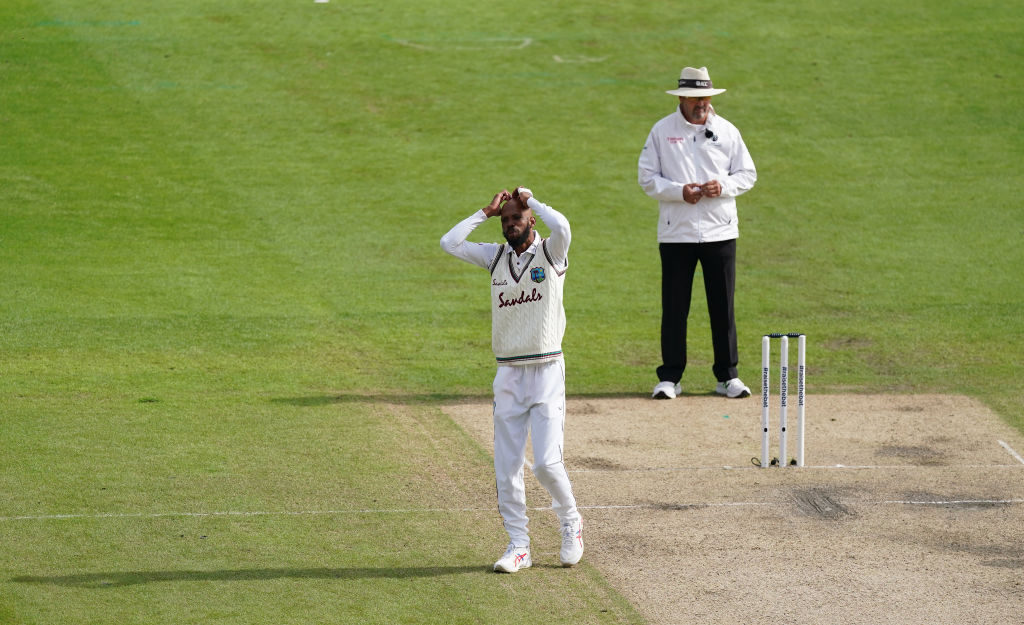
[(527, 317)]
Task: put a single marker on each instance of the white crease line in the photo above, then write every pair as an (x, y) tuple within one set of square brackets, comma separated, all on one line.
[(1012, 451), (820, 467), (159, 515), (667, 507), (670, 507), (951, 502)]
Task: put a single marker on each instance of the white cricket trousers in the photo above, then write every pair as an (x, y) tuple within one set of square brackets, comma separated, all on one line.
[(529, 400)]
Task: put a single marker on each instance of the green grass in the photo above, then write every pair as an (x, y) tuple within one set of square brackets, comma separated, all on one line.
[(219, 261)]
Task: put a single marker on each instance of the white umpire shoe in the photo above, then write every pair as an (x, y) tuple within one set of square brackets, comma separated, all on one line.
[(666, 390), (515, 558), (572, 543), (733, 388)]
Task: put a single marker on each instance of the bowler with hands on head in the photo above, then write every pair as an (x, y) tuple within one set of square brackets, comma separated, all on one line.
[(695, 164), (527, 275)]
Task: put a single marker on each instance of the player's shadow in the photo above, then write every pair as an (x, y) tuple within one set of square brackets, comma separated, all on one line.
[(132, 578)]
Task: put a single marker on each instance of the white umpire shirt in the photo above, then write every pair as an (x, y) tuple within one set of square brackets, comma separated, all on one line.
[(678, 153)]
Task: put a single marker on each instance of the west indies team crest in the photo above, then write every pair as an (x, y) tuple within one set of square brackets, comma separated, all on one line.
[(537, 274)]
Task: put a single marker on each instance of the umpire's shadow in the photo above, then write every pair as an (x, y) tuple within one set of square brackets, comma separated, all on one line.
[(132, 578)]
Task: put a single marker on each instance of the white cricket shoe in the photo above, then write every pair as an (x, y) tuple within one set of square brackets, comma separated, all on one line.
[(515, 558), (733, 388), (572, 543), (666, 390)]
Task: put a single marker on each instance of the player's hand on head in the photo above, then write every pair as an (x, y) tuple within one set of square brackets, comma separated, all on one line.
[(494, 207), (524, 194)]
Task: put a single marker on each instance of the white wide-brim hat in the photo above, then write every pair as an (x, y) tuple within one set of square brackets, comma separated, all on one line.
[(695, 83)]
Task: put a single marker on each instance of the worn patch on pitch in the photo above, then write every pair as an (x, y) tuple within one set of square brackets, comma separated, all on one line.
[(823, 503)]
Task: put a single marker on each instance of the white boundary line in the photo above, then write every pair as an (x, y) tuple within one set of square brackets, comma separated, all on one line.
[(666, 507), (1012, 451)]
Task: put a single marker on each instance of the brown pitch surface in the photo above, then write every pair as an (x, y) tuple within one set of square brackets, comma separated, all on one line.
[(910, 508)]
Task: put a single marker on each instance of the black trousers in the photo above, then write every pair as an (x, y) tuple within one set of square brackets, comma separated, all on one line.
[(678, 264)]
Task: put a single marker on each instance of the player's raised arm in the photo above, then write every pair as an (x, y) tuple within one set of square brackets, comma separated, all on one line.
[(454, 241), (561, 234)]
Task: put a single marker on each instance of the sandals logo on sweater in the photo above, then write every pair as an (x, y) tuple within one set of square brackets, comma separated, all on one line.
[(523, 298)]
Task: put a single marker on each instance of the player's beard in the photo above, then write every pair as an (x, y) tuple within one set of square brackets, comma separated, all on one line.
[(522, 238)]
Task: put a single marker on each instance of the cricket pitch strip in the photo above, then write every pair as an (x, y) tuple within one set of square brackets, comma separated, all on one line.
[(910, 509)]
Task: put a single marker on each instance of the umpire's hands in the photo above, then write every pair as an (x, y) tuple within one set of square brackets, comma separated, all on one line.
[(692, 193), (712, 188)]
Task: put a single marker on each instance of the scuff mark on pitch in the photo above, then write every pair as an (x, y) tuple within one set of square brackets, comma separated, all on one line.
[(821, 503), (915, 454), (593, 463), (677, 506)]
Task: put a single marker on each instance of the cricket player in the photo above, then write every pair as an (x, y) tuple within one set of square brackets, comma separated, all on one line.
[(527, 324)]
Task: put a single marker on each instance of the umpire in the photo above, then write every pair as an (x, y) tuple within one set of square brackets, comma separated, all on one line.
[(695, 164)]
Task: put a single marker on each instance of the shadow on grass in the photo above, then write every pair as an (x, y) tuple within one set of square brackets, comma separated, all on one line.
[(132, 578)]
